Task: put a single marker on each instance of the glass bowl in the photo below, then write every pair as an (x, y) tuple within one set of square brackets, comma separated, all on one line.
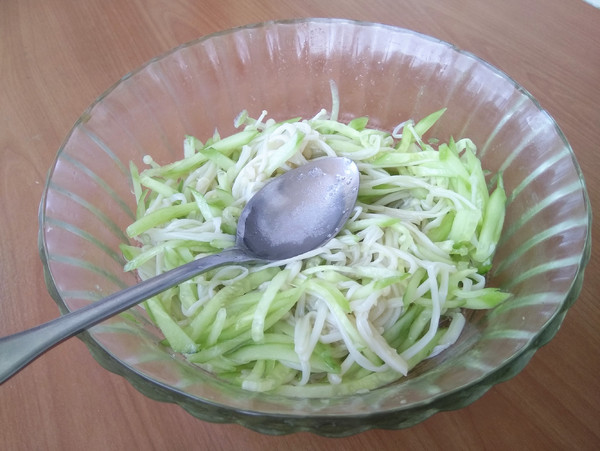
[(389, 74)]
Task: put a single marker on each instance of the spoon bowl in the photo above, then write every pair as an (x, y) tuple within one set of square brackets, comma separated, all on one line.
[(292, 214), (299, 210)]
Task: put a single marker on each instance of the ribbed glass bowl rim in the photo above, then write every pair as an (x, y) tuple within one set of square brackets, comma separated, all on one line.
[(452, 400)]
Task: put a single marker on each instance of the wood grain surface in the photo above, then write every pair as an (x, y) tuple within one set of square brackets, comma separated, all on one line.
[(57, 56)]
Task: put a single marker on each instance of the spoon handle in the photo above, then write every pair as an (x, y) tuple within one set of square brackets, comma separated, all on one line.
[(18, 350)]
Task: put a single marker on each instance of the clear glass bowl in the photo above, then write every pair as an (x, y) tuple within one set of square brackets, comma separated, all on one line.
[(387, 73)]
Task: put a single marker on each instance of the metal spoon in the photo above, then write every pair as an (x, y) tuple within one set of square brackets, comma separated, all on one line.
[(293, 214)]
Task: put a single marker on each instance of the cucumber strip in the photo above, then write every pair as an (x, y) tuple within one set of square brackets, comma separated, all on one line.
[(175, 335), (159, 217)]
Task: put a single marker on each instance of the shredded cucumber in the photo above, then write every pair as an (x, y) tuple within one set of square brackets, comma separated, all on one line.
[(389, 291)]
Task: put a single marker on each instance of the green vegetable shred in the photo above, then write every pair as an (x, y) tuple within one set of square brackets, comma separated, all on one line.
[(359, 312)]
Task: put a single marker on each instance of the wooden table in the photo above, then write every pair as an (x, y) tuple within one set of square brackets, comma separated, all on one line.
[(57, 56)]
